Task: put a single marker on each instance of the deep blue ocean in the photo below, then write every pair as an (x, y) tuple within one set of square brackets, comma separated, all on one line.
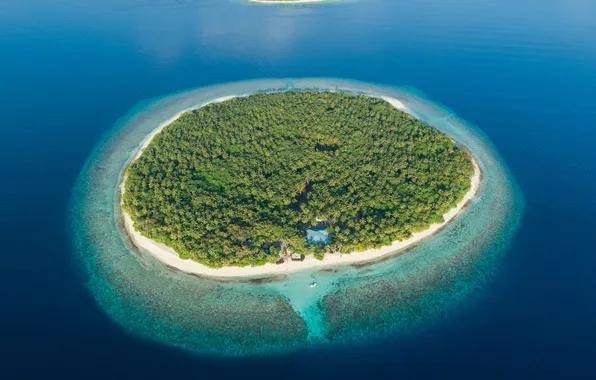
[(523, 71)]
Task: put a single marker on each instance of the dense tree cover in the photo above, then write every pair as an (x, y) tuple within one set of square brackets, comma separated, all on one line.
[(230, 181)]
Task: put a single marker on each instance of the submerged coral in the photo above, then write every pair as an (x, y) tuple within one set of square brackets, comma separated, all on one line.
[(281, 314)]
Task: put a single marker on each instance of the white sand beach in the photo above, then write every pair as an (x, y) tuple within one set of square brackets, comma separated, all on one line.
[(286, 2), (170, 257)]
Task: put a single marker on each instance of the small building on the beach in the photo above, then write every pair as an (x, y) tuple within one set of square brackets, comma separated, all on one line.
[(297, 257)]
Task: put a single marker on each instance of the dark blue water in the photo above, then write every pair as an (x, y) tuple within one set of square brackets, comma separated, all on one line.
[(524, 71)]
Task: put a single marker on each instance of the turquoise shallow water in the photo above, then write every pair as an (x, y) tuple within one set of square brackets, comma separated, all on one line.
[(523, 71), (351, 304)]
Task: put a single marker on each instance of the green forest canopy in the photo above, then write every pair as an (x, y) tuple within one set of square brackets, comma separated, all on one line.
[(229, 182)]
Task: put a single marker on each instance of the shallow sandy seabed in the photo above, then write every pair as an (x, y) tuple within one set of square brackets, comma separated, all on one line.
[(353, 303)]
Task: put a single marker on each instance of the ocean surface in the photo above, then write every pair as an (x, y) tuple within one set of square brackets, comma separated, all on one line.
[(524, 72)]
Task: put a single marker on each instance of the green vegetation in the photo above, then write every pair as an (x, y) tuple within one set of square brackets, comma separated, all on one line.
[(230, 181)]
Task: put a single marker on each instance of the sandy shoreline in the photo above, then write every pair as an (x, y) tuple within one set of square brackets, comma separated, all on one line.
[(169, 257), (286, 2)]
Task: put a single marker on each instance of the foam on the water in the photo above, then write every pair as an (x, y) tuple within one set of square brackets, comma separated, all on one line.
[(281, 314)]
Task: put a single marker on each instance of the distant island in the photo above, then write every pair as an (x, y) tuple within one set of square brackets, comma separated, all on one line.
[(287, 1), (251, 179)]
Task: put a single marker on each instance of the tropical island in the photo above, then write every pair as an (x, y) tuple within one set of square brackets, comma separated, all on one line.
[(287, 1), (253, 180)]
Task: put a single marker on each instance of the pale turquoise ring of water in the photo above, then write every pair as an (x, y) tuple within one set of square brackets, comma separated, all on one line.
[(351, 305)]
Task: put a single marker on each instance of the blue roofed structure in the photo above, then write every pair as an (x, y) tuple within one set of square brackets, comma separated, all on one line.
[(317, 236)]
